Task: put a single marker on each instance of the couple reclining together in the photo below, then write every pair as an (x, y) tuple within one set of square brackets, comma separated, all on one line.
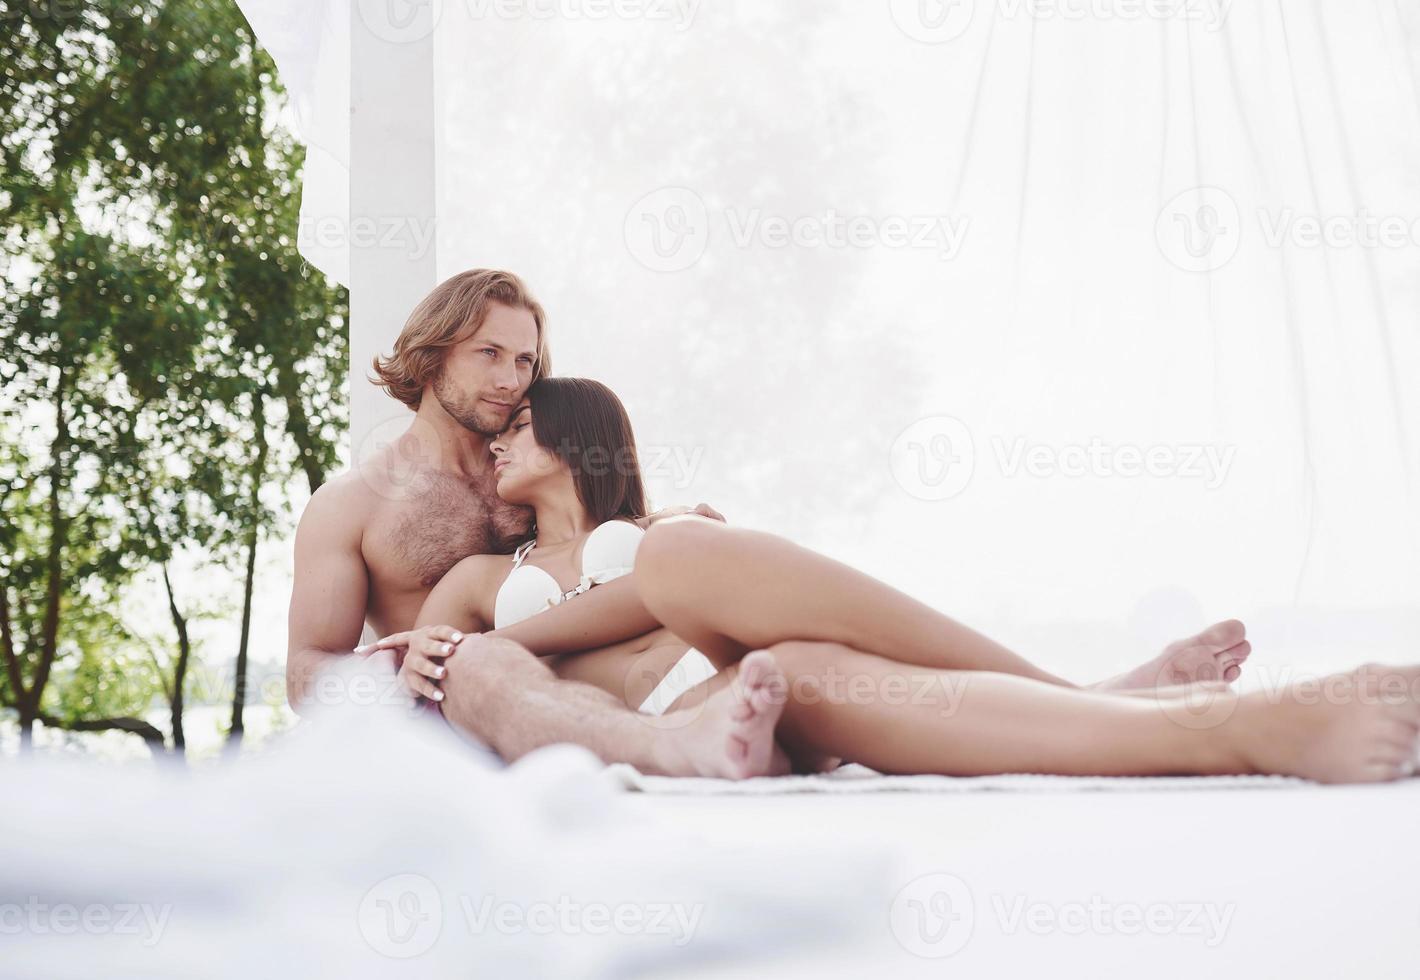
[(815, 662), (684, 646)]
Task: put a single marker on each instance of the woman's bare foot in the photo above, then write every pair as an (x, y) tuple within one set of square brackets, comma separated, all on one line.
[(1216, 654), (1357, 727), (731, 735)]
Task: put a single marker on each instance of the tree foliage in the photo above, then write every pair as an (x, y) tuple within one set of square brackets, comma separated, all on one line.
[(168, 363)]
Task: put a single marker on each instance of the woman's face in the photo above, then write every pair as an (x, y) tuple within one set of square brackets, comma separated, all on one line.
[(521, 466)]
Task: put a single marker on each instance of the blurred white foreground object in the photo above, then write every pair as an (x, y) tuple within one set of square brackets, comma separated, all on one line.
[(373, 842)]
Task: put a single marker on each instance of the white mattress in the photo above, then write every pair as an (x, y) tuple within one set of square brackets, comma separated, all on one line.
[(854, 778), (1306, 881)]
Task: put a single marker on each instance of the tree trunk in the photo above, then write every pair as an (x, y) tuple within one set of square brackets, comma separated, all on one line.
[(27, 731), (13, 673), (29, 701), (258, 474), (298, 424), (239, 685), (179, 669)]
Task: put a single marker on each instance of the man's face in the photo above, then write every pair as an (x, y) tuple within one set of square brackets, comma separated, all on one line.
[(486, 376)]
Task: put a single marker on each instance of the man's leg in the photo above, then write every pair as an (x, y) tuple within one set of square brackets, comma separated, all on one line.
[(498, 691)]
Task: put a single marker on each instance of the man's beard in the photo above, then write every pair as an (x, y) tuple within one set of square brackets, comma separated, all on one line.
[(465, 411)]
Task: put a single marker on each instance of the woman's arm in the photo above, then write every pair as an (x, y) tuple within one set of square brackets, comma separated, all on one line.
[(704, 510), (455, 606), (609, 613), (461, 598)]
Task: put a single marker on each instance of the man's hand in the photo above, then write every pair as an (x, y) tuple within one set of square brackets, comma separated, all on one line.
[(425, 650), (704, 510)]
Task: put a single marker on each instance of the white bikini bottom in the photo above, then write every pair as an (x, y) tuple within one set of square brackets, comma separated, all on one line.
[(691, 669)]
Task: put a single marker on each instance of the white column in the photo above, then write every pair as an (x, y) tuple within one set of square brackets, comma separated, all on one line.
[(392, 248)]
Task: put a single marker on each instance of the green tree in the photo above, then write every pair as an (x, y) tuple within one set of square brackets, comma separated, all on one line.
[(167, 361)]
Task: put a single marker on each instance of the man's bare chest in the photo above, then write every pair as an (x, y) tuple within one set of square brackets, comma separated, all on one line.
[(414, 541)]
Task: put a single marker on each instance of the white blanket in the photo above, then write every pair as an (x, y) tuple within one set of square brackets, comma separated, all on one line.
[(372, 843), (860, 779)]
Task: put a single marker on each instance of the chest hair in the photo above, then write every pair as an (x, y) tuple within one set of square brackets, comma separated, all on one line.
[(450, 520)]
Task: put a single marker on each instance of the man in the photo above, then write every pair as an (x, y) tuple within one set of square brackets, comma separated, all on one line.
[(373, 542)]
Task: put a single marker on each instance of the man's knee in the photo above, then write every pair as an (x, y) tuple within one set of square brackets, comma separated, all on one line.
[(483, 666)]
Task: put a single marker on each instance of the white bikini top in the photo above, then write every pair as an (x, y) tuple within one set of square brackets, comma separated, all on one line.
[(608, 553)]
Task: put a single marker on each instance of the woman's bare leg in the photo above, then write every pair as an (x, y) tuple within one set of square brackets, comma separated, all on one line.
[(901, 719), (729, 590)]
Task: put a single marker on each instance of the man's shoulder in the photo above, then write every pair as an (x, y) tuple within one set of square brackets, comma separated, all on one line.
[(346, 498)]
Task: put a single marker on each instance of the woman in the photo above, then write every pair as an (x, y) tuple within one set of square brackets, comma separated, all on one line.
[(959, 703)]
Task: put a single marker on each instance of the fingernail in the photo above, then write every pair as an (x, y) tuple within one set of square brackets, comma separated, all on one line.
[(438, 695), (439, 672), (361, 649), (457, 637), (448, 648)]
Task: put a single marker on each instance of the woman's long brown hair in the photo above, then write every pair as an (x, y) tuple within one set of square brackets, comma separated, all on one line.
[(586, 425)]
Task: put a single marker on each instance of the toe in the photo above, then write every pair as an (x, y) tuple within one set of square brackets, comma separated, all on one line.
[(1239, 652), (755, 668), (1228, 633), (1229, 662)]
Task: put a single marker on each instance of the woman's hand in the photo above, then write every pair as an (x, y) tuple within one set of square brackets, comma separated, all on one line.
[(703, 510), (424, 652)]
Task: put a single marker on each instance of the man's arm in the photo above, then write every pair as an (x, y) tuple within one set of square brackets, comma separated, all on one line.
[(330, 590)]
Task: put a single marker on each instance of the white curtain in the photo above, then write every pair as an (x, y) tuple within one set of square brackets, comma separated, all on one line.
[(1087, 321), (310, 43)]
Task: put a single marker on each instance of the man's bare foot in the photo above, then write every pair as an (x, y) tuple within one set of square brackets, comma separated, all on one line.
[(1216, 654), (1357, 727), (731, 736)]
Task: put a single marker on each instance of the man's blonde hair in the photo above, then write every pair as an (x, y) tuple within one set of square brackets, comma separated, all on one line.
[(452, 313)]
